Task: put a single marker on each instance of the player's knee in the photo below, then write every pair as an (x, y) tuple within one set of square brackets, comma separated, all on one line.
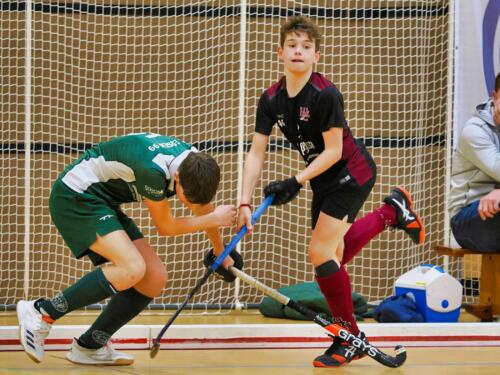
[(313, 254), (340, 248), (319, 255), (154, 281), (158, 280), (134, 272)]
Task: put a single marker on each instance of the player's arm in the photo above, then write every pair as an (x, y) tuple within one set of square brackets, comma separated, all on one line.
[(234, 259), (213, 234), (252, 170), (483, 153), (332, 153), (168, 225), (480, 150), (254, 164)]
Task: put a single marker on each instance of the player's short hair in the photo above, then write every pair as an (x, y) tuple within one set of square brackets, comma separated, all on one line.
[(497, 82), (300, 24), (199, 175)]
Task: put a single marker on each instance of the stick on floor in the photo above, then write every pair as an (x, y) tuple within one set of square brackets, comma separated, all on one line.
[(230, 246), (335, 329)]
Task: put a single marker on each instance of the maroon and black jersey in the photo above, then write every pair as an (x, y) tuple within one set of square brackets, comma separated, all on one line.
[(318, 107)]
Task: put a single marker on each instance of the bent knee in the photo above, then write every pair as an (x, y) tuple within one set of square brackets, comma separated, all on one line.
[(314, 255), (154, 281), (318, 256), (158, 279), (134, 272)]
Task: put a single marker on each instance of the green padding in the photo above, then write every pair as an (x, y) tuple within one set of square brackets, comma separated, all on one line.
[(309, 295)]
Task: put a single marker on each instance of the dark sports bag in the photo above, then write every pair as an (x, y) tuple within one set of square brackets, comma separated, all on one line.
[(398, 309), (308, 294)]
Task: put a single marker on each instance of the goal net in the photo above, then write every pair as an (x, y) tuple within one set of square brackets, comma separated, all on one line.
[(78, 73)]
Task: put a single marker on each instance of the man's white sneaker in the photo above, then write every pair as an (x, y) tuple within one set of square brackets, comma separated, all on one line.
[(32, 329), (102, 356)]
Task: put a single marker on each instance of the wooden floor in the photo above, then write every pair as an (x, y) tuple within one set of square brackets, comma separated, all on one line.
[(252, 316), (421, 361), (154, 317)]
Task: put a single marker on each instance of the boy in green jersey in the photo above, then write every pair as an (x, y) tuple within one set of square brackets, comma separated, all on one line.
[(85, 207)]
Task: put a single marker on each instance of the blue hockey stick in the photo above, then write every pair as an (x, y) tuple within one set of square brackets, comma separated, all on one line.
[(229, 247)]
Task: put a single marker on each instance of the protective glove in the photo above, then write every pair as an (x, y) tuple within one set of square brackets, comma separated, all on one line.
[(285, 190), (222, 272)]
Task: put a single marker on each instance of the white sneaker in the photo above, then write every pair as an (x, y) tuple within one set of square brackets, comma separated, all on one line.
[(32, 329), (102, 356)]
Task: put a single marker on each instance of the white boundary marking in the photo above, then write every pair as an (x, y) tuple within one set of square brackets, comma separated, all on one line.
[(308, 335)]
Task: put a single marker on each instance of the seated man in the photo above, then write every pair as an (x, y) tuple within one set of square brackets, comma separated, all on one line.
[(85, 207), (475, 181)]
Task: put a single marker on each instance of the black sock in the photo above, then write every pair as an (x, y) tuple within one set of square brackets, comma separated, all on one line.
[(120, 310)]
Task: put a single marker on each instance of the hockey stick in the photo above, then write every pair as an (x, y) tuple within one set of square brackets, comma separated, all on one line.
[(258, 212), (331, 327)]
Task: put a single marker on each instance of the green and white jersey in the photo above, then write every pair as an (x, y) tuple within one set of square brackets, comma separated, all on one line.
[(127, 168)]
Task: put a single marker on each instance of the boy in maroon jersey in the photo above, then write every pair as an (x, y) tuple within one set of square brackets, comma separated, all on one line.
[(309, 110)]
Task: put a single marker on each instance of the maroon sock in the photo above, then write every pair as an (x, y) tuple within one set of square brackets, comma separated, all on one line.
[(364, 229), (337, 291)]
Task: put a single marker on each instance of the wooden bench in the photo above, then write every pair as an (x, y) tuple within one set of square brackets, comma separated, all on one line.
[(489, 282)]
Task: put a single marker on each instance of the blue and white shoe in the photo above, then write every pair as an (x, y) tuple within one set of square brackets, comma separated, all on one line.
[(33, 329)]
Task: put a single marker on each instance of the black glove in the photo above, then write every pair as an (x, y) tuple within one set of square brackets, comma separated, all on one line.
[(285, 190), (224, 274)]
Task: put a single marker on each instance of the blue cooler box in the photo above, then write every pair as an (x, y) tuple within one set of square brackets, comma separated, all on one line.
[(437, 294)]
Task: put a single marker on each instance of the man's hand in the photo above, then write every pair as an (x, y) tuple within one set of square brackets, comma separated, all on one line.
[(224, 274), (489, 205), (285, 190), (224, 216), (244, 218)]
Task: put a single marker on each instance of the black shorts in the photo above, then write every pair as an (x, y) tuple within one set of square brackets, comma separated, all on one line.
[(345, 199)]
